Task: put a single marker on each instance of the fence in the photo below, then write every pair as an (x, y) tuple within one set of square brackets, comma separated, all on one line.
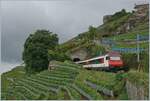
[(107, 41), (128, 50), (112, 43), (138, 38), (142, 37)]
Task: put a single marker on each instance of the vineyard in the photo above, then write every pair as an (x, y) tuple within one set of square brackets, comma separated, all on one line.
[(67, 81)]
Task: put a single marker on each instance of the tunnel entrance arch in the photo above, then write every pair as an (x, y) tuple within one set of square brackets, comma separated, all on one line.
[(76, 59)]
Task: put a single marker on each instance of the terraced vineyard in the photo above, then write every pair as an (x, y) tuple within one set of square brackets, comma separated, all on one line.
[(67, 81), (54, 84)]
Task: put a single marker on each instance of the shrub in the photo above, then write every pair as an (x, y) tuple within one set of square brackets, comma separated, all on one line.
[(57, 55)]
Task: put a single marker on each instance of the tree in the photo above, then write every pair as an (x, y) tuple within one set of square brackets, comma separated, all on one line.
[(92, 32), (36, 48)]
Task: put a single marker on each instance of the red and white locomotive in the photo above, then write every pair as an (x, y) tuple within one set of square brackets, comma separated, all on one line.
[(109, 61)]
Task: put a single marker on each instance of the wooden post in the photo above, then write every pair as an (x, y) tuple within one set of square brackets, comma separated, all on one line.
[(138, 50)]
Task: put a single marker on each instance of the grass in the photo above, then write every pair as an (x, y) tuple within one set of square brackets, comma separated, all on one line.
[(124, 45), (139, 78), (123, 95), (42, 85), (65, 82), (80, 83), (7, 77), (131, 35)]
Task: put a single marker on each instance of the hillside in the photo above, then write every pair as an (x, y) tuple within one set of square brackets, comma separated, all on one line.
[(120, 26), (119, 32), (67, 81)]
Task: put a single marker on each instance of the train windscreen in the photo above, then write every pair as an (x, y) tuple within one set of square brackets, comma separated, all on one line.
[(114, 58)]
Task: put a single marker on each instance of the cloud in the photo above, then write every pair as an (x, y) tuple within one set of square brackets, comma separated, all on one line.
[(5, 66), (67, 18)]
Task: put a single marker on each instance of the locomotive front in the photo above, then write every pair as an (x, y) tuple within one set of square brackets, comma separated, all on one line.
[(115, 61)]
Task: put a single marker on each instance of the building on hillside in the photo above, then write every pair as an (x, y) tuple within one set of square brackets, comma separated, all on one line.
[(106, 18), (51, 66), (141, 10)]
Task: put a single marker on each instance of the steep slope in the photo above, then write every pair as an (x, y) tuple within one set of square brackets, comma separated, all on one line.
[(120, 26), (68, 81)]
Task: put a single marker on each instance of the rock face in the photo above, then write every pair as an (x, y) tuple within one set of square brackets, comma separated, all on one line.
[(140, 14), (136, 92), (141, 10), (106, 18)]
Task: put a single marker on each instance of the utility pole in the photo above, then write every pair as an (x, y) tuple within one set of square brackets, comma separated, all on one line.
[(138, 49)]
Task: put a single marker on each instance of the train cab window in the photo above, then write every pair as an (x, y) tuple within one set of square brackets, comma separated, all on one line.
[(114, 58), (107, 57), (101, 60)]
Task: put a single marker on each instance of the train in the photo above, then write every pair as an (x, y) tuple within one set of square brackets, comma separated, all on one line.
[(111, 61)]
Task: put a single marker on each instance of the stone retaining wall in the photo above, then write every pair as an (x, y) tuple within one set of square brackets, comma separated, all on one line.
[(135, 92)]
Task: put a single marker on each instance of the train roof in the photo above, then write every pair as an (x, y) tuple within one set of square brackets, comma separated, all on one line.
[(112, 53), (93, 58)]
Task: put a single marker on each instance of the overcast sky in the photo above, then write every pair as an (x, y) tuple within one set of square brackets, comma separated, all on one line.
[(67, 18)]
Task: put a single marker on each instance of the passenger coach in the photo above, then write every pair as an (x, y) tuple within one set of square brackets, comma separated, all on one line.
[(109, 61)]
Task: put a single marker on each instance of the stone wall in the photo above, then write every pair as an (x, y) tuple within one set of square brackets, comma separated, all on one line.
[(106, 18), (81, 54), (140, 14), (135, 92)]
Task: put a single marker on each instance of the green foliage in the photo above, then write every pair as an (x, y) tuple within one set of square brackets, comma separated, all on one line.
[(144, 61), (139, 79), (129, 35), (36, 48), (113, 25), (127, 58), (118, 15), (57, 55), (95, 50), (126, 45), (91, 33), (80, 83), (130, 61), (123, 95), (103, 79), (43, 86), (75, 95), (47, 85), (6, 78)]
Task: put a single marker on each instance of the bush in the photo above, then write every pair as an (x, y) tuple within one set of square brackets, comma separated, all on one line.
[(57, 55), (130, 61), (144, 61), (119, 14), (95, 50)]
